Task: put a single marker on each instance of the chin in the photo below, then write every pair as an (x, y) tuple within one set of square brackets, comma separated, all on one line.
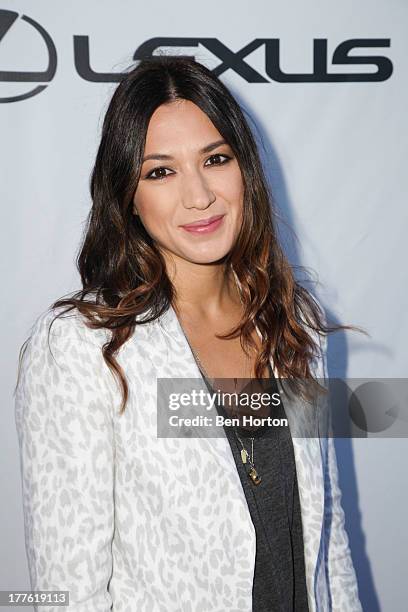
[(206, 256)]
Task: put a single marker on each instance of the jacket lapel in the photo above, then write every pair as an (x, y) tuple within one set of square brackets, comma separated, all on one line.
[(302, 418), (179, 362), (303, 423)]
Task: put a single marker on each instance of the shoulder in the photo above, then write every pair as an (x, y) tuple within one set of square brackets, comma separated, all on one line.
[(60, 341), (58, 326), (63, 354)]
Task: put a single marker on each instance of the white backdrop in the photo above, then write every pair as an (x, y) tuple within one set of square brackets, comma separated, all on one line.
[(335, 152)]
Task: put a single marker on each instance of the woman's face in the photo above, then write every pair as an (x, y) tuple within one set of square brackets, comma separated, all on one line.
[(189, 174)]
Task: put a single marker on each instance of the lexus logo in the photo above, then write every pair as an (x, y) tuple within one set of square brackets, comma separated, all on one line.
[(10, 24)]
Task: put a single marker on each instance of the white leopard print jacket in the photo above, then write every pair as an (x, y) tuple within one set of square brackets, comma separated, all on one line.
[(127, 521)]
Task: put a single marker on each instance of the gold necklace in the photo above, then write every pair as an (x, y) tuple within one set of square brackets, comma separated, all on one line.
[(245, 456)]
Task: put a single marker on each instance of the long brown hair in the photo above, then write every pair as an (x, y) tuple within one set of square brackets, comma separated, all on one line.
[(122, 271)]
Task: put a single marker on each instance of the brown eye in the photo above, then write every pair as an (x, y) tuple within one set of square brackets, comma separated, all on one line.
[(157, 173), (218, 159)]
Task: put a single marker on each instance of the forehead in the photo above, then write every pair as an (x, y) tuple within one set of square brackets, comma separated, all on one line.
[(179, 123)]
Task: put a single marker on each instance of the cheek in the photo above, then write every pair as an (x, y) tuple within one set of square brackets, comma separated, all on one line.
[(153, 210), (234, 194), (233, 188), (146, 205)]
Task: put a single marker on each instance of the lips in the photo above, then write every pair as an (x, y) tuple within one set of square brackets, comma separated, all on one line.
[(203, 222)]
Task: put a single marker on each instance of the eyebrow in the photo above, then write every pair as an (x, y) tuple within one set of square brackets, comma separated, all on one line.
[(206, 149)]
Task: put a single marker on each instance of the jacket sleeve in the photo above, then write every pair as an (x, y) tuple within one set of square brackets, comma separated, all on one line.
[(341, 573), (64, 421)]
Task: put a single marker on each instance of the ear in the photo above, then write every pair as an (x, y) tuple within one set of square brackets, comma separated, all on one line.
[(135, 210)]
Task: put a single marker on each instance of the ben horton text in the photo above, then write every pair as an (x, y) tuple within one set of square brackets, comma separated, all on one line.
[(220, 421)]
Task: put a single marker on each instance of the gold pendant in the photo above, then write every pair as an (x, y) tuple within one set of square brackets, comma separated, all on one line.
[(244, 455), (254, 476)]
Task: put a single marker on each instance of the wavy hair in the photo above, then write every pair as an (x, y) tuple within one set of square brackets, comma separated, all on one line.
[(123, 274)]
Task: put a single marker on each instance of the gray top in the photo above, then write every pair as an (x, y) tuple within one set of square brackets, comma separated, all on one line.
[(279, 577)]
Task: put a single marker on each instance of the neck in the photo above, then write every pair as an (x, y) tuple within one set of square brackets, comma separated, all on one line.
[(205, 289)]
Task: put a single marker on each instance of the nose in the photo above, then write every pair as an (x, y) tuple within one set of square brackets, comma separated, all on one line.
[(196, 192)]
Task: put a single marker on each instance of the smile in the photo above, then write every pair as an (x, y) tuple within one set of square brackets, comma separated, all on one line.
[(204, 227)]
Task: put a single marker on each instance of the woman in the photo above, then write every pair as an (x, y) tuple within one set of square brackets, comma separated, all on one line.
[(183, 277)]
